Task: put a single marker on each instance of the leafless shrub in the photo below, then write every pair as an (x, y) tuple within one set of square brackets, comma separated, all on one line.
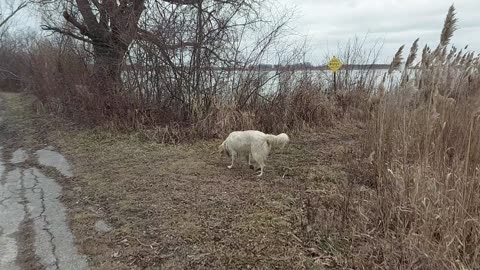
[(192, 70)]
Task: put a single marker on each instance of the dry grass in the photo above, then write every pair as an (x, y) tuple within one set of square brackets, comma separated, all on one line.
[(179, 207)]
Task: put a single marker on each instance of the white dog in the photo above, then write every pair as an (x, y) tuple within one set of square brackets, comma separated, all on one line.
[(252, 144)]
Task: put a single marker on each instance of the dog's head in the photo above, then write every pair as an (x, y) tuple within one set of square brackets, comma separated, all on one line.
[(222, 150)]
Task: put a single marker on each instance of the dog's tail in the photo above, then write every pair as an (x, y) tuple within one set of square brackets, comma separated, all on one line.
[(277, 140)]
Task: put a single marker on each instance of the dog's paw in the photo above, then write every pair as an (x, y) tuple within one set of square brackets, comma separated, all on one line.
[(258, 173), (229, 166)]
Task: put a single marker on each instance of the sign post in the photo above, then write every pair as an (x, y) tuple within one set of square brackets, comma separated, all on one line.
[(335, 64)]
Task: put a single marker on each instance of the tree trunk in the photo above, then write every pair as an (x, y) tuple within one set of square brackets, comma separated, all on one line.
[(108, 67)]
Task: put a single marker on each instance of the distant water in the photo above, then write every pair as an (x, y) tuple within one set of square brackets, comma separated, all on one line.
[(272, 81)]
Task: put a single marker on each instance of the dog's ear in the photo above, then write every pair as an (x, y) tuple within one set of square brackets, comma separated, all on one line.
[(222, 150)]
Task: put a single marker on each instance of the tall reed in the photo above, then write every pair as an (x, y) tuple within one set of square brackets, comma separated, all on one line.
[(424, 137)]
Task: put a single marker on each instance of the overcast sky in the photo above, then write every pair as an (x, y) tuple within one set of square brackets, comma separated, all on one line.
[(326, 23)]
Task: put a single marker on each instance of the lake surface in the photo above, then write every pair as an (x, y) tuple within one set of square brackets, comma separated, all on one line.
[(269, 81)]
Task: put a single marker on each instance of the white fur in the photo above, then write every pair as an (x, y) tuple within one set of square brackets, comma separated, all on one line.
[(252, 144)]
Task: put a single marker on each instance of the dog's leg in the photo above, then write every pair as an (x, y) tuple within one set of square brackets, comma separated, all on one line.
[(262, 165), (250, 161), (259, 158), (233, 154)]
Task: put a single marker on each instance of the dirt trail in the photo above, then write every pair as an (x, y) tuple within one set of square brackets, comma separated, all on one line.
[(33, 228)]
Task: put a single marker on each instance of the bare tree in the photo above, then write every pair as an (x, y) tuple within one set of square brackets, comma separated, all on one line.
[(171, 60), (109, 26)]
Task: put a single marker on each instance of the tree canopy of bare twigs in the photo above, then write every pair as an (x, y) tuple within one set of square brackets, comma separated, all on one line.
[(111, 27)]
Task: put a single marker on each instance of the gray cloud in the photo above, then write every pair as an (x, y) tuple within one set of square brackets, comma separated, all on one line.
[(327, 23)]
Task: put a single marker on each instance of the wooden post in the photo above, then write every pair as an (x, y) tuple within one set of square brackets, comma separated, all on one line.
[(335, 81)]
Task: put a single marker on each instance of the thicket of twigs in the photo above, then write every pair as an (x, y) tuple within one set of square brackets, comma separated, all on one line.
[(201, 90)]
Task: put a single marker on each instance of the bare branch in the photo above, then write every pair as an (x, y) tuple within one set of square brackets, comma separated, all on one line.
[(64, 32), (97, 4), (83, 29), (102, 10), (150, 37), (21, 6), (89, 18), (12, 75), (183, 2)]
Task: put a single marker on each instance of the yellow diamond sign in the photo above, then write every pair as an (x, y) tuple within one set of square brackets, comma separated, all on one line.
[(335, 64)]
